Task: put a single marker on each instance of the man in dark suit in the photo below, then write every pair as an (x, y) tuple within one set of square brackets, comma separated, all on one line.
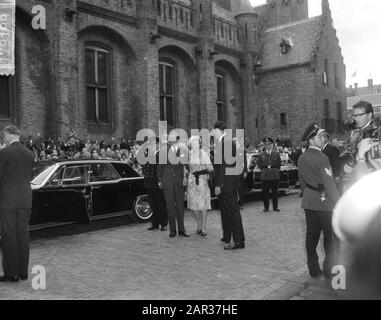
[(320, 196), (226, 189), (171, 178), (16, 163), (269, 162), (155, 194)]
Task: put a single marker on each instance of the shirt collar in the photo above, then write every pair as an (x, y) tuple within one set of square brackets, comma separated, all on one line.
[(14, 141), (314, 148), (368, 124)]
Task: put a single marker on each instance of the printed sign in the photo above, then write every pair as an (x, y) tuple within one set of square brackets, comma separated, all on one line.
[(7, 37)]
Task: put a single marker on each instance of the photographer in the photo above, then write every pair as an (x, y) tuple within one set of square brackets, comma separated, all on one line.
[(364, 139)]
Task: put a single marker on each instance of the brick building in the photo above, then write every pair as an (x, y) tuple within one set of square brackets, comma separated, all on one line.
[(111, 67), (370, 93)]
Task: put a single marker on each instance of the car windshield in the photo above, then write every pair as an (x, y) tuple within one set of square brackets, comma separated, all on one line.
[(40, 172)]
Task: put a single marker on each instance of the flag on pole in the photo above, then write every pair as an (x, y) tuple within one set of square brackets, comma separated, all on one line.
[(7, 37)]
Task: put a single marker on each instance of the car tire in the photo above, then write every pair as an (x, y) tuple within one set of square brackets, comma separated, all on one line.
[(142, 210)]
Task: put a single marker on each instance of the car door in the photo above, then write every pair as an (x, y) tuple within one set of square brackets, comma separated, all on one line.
[(130, 186), (65, 197), (104, 185)]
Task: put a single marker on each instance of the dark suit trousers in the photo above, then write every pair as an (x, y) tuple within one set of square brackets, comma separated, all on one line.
[(231, 217), (15, 241), (266, 186), (318, 221), (241, 190), (157, 202), (174, 200)]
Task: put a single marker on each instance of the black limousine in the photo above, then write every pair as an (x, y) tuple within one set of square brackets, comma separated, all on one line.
[(81, 191)]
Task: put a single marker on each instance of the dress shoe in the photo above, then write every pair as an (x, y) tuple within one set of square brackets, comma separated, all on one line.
[(184, 234), (276, 210), (235, 246), (23, 277), (9, 279), (172, 234), (152, 228), (203, 234), (225, 240), (163, 228), (198, 231)]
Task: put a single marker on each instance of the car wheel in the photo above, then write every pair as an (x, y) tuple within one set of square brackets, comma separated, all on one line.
[(142, 208)]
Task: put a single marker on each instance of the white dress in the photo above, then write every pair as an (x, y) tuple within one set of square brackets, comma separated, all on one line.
[(198, 196)]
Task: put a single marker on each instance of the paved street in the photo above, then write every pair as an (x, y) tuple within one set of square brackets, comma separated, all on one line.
[(121, 260)]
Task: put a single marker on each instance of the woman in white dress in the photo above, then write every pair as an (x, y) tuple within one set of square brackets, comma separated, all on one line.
[(198, 194)]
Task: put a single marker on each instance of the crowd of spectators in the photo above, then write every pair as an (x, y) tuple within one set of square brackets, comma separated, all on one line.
[(73, 148)]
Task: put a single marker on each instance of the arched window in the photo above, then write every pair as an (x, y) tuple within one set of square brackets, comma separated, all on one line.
[(221, 96), (98, 84), (167, 74)]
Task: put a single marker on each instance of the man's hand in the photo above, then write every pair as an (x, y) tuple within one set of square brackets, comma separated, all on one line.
[(364, 147), (160, 186), (245, 175), (185, 182), (217, 191)]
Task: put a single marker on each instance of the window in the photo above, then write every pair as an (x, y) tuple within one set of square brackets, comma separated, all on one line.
[(283, 119), (325, 73), (167, 92), (100, 172), (220, 79), (5, 94), (125, 171), (339, 111), (326, 109), (75, 175), (97, 84), (337, 78)]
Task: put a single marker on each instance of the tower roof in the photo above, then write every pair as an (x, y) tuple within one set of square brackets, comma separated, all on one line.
[(242, 7)]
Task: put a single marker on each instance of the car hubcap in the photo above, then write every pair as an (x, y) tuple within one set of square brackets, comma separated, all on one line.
[(143, 208)]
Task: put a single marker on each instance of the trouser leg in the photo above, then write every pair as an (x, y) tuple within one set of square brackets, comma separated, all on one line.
[(234, 214), (226, 228), (9, 242), (154, 206), (312, 240), (179, 199), (163, 217), (169, 196), (23, 217), (266, 194), (331, 243), (274, 190)]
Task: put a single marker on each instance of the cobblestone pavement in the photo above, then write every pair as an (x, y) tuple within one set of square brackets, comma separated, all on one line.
[(122, 260)]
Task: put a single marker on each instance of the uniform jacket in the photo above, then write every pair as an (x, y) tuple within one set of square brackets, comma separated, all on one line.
[(171, 175), (314, 169), (16, 169), (333, 155), (221, 179), (270, 165)]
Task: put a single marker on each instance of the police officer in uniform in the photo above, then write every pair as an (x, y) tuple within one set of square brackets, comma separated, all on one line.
[(320, 196), (269, 162)]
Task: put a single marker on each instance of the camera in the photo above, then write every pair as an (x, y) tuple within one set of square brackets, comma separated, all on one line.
[(375, 152)]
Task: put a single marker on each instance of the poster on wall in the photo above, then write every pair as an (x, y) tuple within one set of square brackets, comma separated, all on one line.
[(7, 37)]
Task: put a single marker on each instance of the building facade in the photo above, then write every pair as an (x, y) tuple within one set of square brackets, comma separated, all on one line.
[(108, 68)]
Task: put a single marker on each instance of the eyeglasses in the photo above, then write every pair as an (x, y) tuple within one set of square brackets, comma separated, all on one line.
[(358, 115)]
